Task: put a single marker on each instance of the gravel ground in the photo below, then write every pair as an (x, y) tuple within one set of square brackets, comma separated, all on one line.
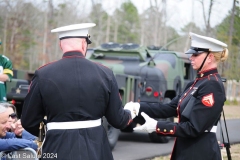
[(232, 112), (235, 152)]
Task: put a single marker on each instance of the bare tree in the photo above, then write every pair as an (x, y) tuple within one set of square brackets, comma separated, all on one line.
[(164, 22), (156, 21), (231, 28), (44, 48), (116, 24), (108, 28), (159, 18), (26, 24), (190, 28), (208, 16), (5, 33)]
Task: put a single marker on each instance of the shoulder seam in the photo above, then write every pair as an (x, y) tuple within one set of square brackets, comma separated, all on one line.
[(100, 64), (46, 64)]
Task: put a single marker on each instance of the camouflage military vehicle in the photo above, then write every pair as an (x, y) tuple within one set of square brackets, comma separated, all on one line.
[(144, 74)]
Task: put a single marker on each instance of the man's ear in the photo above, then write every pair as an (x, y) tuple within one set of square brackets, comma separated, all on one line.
[(60, 44), (84, 46)]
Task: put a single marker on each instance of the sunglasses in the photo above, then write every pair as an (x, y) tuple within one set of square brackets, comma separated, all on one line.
[(13, 115), (195, 55)]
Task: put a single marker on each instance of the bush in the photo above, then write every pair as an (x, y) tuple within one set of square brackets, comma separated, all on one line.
[(227, 102), (234, 102)]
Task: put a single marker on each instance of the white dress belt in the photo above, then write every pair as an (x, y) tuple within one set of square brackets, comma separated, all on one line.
[(73, 124), (214, 129)]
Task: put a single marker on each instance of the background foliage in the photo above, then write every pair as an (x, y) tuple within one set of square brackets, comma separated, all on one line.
[(25, 27)]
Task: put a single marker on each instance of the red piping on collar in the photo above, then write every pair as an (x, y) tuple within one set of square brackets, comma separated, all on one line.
[(73, 51), (46, 64), (73, 56), (206, 70)]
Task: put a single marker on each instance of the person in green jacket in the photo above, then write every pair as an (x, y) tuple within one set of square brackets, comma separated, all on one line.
[(6, 74)]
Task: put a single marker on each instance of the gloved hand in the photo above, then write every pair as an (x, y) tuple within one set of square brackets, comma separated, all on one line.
[(133, 107), (149, 126)]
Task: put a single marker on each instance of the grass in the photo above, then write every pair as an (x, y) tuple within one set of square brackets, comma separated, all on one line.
[(235, 152), (232, 103), (230, 112)]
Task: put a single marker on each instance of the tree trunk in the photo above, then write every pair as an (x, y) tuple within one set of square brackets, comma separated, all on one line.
[(231, 28), (14, 32), (190, 28), (164, 16), (207, 19), (108, 28), (116, 31), (142, 32), (4, 43), (208, 27), (45, 36)]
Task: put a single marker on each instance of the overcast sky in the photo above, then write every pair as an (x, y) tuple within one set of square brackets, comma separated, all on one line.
[(180, 11)]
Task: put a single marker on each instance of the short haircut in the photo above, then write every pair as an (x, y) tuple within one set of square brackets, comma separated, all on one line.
[(3, 108), (9, 105)]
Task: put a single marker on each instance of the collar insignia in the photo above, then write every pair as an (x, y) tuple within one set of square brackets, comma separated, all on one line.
[(194, 90)]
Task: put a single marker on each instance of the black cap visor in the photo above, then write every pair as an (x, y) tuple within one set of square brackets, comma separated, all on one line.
[(87, 38), (195, 50)]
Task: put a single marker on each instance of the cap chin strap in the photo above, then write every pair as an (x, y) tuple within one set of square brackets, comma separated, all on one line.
[(203, 62), (87, 38)]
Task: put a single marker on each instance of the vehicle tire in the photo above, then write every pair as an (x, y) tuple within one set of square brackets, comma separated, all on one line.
[(112, 133), (178, 88), (167, 100), (156, 138)]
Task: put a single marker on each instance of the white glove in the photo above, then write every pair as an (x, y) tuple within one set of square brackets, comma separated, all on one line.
[(149, 126), (133, 107)]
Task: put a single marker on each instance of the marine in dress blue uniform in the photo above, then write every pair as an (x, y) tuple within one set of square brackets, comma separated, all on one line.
[(74, 93), (198, 108)]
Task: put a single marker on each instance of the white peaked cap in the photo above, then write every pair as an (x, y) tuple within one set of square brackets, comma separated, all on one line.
[(75, 30), (198, 41)]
